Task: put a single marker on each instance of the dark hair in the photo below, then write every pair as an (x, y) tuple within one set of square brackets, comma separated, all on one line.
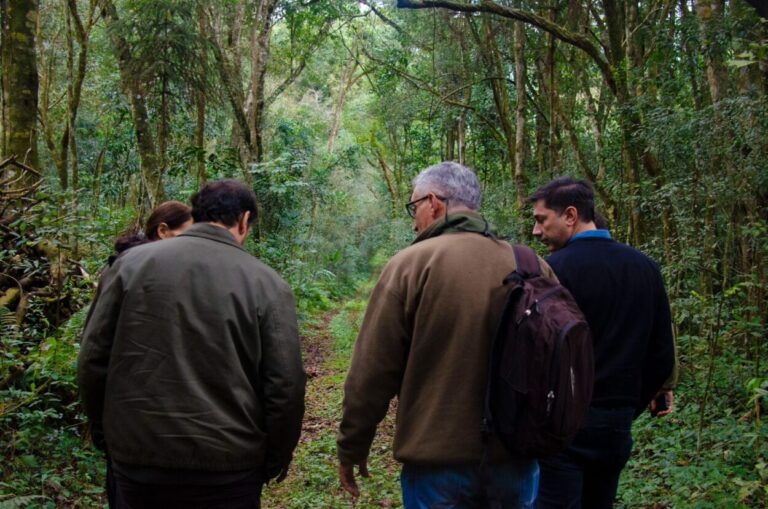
[(130, 239), (601, 223), (564, 192), (223, 201), (172, 213)]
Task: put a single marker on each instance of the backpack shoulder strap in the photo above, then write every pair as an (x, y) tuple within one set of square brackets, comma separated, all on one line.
[(526, 260)]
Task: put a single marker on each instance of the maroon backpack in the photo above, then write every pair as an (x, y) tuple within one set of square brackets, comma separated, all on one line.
[(541, 367)]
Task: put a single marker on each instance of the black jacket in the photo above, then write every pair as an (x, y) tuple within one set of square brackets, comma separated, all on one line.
[(621, 292)]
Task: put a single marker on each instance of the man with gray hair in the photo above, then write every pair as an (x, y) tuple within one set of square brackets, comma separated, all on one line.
[(426, 339)]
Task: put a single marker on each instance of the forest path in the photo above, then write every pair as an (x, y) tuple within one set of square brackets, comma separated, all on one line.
[(327, 340)]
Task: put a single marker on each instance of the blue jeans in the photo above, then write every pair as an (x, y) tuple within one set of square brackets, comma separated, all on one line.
[(586, 475), (511, 485)]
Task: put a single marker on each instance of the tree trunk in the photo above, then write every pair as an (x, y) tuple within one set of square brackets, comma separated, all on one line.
[(148, 157), (19, 80), (628, 120), (550, 87), (710, 14), (345, 83), (521, 76), (392, 187), (260, 38), (450, 140), (76, 78), (162, 127), (489, 49), (690, 61), (200, 137)]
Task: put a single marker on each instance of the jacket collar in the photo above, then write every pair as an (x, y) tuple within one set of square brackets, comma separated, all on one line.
[(211, 232), (465, 221)]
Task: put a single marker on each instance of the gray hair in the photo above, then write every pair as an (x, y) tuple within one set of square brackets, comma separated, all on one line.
[(452, 181)]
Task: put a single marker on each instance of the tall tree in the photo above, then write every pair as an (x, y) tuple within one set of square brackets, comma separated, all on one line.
[(78, 30), (161, 60), (19, 80)]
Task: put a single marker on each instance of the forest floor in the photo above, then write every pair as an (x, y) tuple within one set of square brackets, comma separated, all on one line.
[(681, 461), (313, 479), (674, 464)]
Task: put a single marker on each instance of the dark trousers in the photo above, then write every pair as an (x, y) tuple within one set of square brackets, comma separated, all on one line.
[(587, 473), (111, 486), (244, 494)]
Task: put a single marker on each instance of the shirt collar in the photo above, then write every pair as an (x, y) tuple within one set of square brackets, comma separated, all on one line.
[(591, 234)]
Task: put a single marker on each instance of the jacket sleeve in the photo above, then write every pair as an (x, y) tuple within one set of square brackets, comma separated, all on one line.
[(376, 372), (660, 354), (283, 381), (95, 350)]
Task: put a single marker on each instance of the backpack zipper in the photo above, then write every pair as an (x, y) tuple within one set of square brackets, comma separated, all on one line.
[(554, 373), (535, 306)]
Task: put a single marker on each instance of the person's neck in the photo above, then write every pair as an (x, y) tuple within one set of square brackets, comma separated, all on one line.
[(234, 230), (460, 210), (583, 227)]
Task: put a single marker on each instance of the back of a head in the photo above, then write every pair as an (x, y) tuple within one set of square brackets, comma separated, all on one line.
[(451, 181), (223, 201), (173, 213), (129, 239), (564, 192)]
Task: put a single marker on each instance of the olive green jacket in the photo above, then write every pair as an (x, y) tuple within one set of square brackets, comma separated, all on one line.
[(190, 358), (426, 338)]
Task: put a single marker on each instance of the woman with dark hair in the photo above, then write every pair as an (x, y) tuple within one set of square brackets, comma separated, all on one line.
[(169, 219)]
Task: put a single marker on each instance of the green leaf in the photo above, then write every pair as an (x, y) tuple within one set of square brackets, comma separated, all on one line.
[(738, 63), (29, 460)]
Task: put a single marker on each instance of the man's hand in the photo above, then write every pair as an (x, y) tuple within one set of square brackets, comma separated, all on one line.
[(669, 397), (347, 476)]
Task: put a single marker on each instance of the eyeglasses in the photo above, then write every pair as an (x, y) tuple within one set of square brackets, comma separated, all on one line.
[(411, 205)]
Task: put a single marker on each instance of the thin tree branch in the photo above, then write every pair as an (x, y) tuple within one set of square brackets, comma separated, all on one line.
[(383, 18), (421, 85), (574, 39)]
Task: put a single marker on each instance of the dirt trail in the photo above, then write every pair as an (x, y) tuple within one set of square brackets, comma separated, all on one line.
[(312, 480), (316, 345)]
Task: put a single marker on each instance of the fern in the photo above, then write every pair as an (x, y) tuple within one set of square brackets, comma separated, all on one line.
[(16, 502), (8, 327)]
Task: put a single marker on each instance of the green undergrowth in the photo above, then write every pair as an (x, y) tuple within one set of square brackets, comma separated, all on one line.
[(712, 452), (686, 460), (48, 462)]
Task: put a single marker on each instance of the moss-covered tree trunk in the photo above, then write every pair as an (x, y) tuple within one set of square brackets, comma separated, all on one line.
[(19, 80), (145, 142), (260, 39)]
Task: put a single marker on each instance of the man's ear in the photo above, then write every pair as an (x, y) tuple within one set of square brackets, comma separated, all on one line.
[(571, 215), (243, 224), (437, 206)]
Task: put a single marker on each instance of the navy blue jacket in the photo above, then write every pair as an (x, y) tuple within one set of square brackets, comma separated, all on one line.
[(621, 292)]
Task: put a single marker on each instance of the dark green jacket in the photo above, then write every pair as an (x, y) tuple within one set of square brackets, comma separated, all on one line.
[(190, 358)]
